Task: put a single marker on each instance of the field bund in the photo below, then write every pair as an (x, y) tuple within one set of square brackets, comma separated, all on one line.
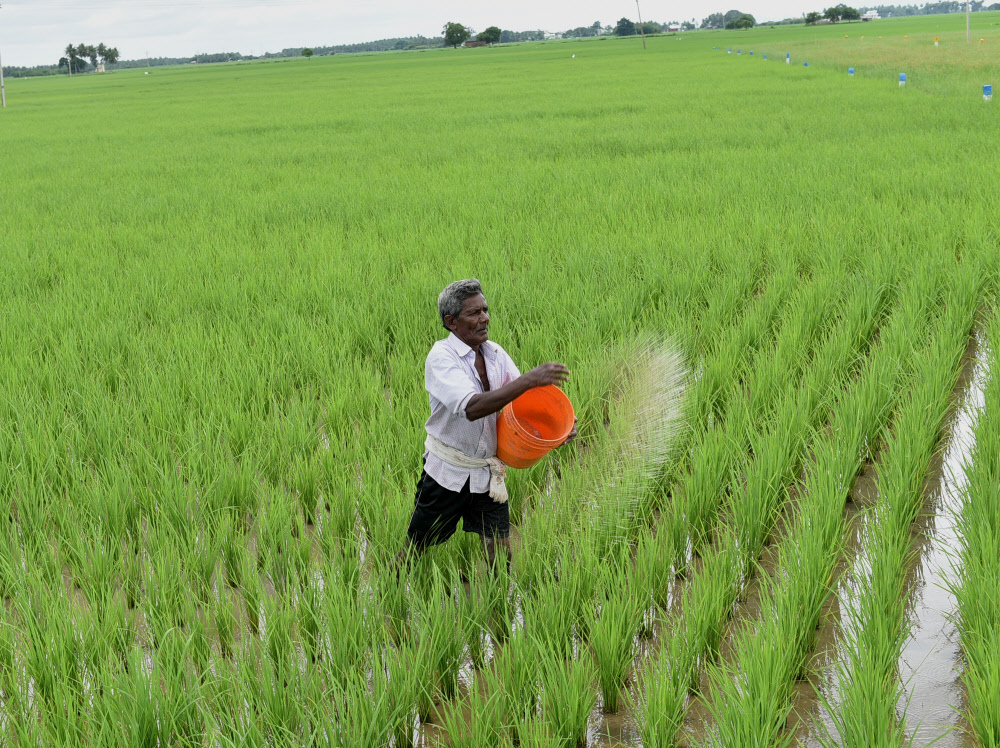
[(217, 297)]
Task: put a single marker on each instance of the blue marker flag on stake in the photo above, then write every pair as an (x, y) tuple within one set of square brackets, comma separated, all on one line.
[(765, 57), (988, 92), (850, 71), (902, 79), (805, 64)]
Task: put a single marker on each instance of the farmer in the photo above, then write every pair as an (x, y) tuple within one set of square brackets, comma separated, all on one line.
[(470, 379)]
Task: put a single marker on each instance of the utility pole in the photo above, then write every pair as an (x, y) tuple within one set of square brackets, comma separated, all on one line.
[(3, 92), (641, 29), (968, 23)]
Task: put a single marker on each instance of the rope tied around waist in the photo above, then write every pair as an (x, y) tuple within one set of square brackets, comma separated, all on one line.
[(455, 458)]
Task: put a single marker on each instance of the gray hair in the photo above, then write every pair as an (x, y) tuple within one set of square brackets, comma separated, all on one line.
[(450, 300)]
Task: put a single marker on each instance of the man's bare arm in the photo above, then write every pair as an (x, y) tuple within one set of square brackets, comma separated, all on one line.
[(484, 404)]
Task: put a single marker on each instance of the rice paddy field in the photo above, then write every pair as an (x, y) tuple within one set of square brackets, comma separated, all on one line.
[(774, 283)]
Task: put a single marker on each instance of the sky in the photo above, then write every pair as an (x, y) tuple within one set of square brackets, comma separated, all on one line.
[(35, 32)]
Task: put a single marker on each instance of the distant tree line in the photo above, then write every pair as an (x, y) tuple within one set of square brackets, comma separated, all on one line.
[(928, 9), (627, 27)]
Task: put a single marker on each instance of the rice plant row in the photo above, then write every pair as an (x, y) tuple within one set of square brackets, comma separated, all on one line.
[(977, 576), (753, 694), (756, 385), (692, 638), (876, 628)]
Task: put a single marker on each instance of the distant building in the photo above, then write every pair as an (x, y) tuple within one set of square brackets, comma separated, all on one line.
[(674, 28), (870, 15)]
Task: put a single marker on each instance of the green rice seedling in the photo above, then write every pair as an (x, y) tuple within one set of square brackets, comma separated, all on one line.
[(360, 717), (199, 645), (701, 489), (140, 701), (409, 683), (202, 563), (653, 569), (515, 675), (483, 728), (982, 681), (755, 507), (661, 690), (305, 485), (394, 606), (252, 592), (612, 639), (502, 605), (348, 637), (164, 585), (437, 626), (301, 555), (340, 521), (228, 717), (11, 559), (567, 694), (279, 620), (578, 579), (131, 576), (550, 615), (474, 612), (116, 627), (708, 604), (9, 645), (233, 551), (224, 621), (309, 610), (277, 696), (180, 702), (536, 733)]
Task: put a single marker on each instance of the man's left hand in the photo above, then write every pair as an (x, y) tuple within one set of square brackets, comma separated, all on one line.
[(572, 434)]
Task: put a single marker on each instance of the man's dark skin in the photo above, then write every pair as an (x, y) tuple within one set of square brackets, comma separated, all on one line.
[(471, 326)]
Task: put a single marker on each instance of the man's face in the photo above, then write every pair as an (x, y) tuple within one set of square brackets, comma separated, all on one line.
[(471, 326)]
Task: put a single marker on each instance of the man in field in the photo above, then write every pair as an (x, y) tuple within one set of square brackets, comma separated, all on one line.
[(469, 379)]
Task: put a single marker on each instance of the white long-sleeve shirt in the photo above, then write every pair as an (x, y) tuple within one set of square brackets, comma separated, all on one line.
[(451, 380)]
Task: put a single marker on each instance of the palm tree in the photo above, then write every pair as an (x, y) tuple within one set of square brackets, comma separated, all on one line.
[(70, 57)]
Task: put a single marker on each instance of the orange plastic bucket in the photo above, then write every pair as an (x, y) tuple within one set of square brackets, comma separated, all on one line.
[(530, 426)]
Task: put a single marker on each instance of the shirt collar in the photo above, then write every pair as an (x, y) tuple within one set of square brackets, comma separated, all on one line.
[(464, 350)]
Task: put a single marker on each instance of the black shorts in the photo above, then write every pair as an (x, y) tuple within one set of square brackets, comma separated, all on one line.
[(437, 511)]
